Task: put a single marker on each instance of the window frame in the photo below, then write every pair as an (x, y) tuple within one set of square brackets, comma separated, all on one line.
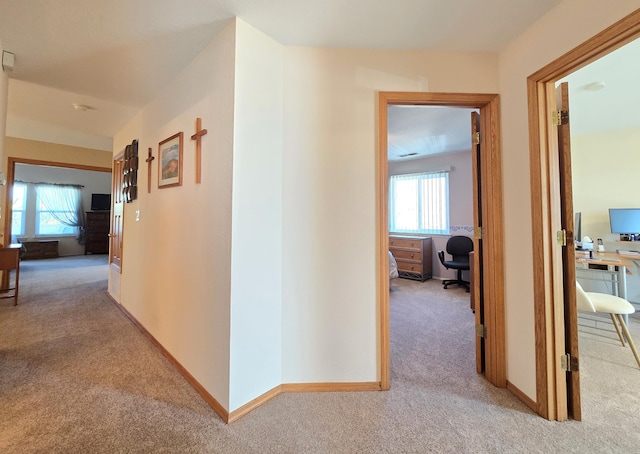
[(421, 178), (23, 211), (38, 211)]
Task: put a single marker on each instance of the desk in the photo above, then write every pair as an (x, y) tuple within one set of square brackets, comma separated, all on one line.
[(10, 260), (610, 263)]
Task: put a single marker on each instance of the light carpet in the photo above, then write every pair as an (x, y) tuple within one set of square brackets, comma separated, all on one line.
[(77, 377)]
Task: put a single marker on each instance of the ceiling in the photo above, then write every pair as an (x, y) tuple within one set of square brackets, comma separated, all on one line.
[(417, 131), (614, 105), (115, 56), (603, 96)]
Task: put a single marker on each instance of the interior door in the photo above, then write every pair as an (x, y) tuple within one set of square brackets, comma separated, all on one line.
[(476, 293), (568, 251), (117, 211)]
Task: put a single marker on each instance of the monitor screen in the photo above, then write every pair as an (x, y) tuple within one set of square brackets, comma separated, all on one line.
[(577, 227), (624, 220), (100, 202)]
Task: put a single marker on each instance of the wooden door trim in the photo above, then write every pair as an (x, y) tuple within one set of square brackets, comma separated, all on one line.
[(548, 291), (116, 200), (11, 172), (493, 222), (474, 256), (570, 309)]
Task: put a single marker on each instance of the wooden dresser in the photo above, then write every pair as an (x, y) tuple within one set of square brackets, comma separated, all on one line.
[(97, 232), (413, 254)]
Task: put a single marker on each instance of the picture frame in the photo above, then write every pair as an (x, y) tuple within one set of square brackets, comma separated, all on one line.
[(170, 161)]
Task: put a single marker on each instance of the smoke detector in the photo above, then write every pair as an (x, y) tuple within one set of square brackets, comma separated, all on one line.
[(82, 107), (595, 86)]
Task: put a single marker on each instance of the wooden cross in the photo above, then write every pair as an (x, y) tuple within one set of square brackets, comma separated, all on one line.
[(149, 161), (197, 137)]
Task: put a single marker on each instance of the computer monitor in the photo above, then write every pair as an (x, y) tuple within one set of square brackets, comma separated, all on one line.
[(577, 228), (626, 222)]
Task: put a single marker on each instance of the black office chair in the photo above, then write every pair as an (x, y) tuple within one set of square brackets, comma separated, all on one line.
[(458, 247)]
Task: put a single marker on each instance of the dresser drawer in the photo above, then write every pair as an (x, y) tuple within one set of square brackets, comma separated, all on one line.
[(411, 267), (98, 217), (101, 236), (413, 255), (97, 232), (400, 254), (407, 243)]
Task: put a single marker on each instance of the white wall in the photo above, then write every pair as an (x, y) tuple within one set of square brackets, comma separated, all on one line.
[(28, 128), (27, 97), (256, 253), (176, 265), (605, 168), (92, 182), (460, 198), (568, 25), (329, 202), (330, 312)]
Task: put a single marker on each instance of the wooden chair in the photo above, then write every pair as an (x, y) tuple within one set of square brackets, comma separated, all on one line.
[(10, 260)]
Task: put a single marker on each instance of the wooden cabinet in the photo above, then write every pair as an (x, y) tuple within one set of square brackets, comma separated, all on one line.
[(413, 254), (97, 232), (43, 249)]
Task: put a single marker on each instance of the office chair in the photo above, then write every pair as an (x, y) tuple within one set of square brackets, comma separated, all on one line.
[(10, 260), (615, 306), (458, 247)]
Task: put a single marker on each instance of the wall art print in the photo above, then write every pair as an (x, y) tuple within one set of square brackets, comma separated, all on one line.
[(170, 161)]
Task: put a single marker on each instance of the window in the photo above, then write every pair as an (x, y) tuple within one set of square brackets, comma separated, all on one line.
[(419, 203), (57, 209), (18, 209)]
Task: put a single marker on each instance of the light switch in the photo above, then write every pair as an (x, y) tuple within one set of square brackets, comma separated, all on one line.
[(137, 215)]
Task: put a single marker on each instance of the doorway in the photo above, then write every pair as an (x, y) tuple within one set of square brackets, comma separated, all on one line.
[(490, 232), (431, 192), (35, 172), (553, 388)]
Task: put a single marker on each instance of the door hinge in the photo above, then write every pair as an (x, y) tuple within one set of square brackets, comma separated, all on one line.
[(560, 117), (569, 363), (561, 237), (481, 331), (475, 138), (479, 233)]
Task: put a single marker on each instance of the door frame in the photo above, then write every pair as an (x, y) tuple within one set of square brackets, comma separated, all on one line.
[(551, 384), (488, 104), (11, 171)]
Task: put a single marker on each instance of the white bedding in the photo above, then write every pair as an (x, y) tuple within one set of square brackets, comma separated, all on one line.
[(393, 266)]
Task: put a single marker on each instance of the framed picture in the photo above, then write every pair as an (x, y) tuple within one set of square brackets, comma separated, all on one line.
[(170, 161)]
